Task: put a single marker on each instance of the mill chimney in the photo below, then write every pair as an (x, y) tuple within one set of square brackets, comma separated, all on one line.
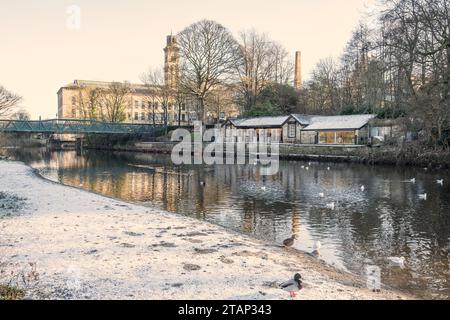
[(298, 70)]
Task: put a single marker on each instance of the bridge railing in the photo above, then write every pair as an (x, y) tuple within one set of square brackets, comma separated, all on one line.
[(75, 126)]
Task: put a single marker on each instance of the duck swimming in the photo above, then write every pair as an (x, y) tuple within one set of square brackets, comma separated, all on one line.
[(292, 286)]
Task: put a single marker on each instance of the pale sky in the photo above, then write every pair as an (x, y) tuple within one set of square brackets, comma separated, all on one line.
[(118, 39)]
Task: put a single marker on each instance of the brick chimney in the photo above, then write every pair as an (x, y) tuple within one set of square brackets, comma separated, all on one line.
[(298, 70)]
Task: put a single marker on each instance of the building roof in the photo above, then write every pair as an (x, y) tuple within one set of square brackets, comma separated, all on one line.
[(135, 87), (303, 119), (311, 122), (260, 122), (339, 122)]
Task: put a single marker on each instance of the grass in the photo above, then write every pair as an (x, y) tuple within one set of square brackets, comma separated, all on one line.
[(11, 293)]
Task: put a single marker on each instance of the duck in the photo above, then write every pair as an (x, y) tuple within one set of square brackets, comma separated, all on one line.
[(423, 196), (293, 286), (440, 181), (303, 167), (331, 205), (321, 194), (289, 242), (316, 247), (363, 188), (397, 261)]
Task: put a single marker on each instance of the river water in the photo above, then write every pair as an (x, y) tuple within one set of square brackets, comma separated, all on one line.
[(366, 227)]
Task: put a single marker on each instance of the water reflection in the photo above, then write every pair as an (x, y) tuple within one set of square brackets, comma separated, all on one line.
[(386, 219)]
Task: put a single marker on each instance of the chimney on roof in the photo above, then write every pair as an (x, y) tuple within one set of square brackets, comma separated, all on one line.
[(298, 70)]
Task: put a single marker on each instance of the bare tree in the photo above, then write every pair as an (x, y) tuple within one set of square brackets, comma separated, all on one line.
[(208, 54), (8, 101), (114, 101), (88, 102), (21, 115), (220, 100), (262, 63), (256, 66), (158, 92)]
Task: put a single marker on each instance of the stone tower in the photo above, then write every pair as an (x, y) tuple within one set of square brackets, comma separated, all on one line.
[(298, 70), (171, 62)]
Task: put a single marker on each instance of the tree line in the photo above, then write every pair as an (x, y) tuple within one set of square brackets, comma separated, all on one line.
[(396, 65)]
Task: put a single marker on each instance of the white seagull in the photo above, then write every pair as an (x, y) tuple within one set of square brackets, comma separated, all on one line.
[(413, 180), (397, 261), (321, 194), (441, 182), (363, 188), (316, 247), (423, 196), (331, 205), (328, 168)]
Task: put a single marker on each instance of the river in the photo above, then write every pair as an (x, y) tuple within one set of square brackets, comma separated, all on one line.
[(386, 219)]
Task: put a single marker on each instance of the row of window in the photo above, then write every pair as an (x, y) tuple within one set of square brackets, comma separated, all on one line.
[(143, 104), (156, 105), (157, 116)]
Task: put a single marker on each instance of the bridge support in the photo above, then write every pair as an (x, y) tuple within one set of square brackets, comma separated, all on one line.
[(79, 144)]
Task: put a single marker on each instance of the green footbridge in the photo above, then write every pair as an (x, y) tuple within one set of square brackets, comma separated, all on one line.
[(74, 126)]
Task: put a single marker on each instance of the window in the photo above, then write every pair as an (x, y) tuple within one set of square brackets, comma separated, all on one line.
[(345, 137), (156, 105), (291, 130), (328, 137), (183, 106), (129, 116), (136, 116), (143, 116), (149, 116), (136, 103), (337, 137), (183, 117), (143, 104), (149, 105)]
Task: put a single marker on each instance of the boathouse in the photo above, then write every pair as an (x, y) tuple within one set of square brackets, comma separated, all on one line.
[(302, 129)]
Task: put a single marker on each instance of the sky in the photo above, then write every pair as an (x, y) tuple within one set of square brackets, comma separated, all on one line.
[(43, 47)]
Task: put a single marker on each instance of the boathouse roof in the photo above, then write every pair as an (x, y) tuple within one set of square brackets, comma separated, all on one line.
[(261, 122), (356, 121)]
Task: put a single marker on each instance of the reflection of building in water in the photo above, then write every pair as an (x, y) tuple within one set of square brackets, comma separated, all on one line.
[(295, 221)]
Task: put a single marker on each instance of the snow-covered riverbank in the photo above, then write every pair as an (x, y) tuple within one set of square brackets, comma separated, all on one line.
[(87, 246)]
